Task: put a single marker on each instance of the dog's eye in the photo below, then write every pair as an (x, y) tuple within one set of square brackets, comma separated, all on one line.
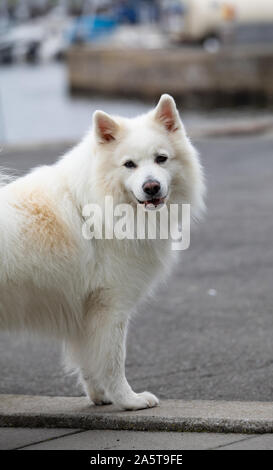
[(161, 159), (130, 164)]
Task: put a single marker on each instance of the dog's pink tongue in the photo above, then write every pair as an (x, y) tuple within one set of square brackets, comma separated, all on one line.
[(154, 202)]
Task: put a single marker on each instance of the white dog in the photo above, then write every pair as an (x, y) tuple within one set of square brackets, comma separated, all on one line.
[(54, 281)]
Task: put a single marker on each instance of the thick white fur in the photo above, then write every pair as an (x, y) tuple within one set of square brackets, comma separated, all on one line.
[(55, 282)]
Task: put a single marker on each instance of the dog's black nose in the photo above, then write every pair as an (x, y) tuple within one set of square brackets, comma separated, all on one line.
[(151, 187)]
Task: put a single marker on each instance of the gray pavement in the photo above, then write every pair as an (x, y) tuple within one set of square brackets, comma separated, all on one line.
[(67, 439), (208, 332)]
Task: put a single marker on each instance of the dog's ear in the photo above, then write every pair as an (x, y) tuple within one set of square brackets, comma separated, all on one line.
[(105, 127), (166, 113)]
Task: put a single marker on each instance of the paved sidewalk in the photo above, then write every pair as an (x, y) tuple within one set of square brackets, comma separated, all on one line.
[(78, 439)]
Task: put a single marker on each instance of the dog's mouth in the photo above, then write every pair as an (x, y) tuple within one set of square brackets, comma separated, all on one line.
[(153, 203)]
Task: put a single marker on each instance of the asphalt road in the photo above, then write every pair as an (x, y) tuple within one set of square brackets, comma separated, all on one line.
[(208, 334)]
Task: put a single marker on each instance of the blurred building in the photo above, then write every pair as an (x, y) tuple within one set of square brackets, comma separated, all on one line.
[(222, 20)]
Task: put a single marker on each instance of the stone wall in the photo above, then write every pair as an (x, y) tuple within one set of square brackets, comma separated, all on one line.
[(238, 75)]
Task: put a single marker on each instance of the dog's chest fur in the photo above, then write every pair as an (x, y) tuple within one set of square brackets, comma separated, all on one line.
[(128, 269)]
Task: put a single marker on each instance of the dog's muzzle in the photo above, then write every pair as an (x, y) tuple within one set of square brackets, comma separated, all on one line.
[(152, 191)]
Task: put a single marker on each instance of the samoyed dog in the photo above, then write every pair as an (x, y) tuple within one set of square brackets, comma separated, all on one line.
[(82, 290)]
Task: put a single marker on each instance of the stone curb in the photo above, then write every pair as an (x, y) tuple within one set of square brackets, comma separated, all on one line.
[(239, 128), (171, 415), (236, 129), (38, 146)]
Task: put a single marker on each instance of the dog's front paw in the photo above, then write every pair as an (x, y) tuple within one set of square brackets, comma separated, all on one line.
[(139, 401), (101, 402), (98, 397)]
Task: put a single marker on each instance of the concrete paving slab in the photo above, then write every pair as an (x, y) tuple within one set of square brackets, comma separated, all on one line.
[(264, 442), (171, 415), (14, 438), (124, 440)]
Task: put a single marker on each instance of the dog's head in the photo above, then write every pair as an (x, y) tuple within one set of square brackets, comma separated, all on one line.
[(149, 159)]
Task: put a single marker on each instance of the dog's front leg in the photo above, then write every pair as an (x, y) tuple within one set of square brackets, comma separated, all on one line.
[(93, 390), (103, 367), (113, 379)]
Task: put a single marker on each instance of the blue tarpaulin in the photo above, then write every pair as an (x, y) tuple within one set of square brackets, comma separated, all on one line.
[(91, 28)]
